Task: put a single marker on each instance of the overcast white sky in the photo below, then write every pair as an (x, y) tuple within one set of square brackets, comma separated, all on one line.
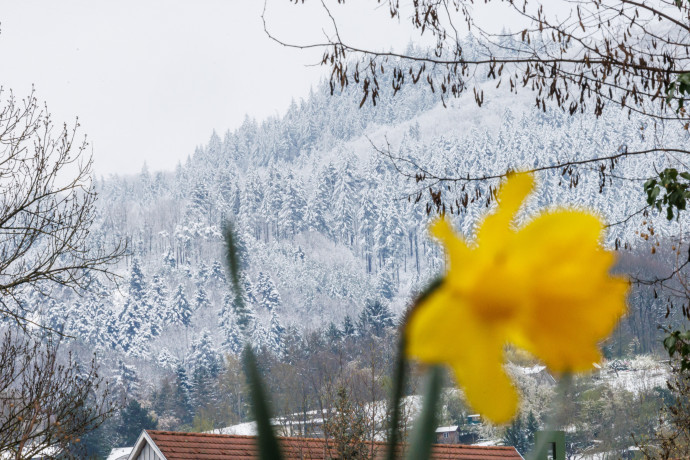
[(150, 80)]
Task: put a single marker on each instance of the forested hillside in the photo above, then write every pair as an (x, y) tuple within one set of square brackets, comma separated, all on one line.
[(332, 230)]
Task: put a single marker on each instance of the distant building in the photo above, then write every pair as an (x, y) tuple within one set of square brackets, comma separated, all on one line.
[(448, 435), (172, 445), (455, 434), (474, 419)]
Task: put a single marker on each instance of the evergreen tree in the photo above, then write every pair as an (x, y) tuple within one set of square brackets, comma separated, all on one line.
[(199, 208), (126, 379), (183, 407), (232, 334), (514, 435), (163, 398), (204, 355), (366, 218), (242, 309), (259, 339), (201, 299), (166, 360), (157, 300), (385, 284), (96, 444), (349, 329), (134, 419), (132, 334), (135, 320), (203, 274), (315, 213), (275, 335), (293, 206), (270, 299), (531, 428), (343, 203), (375, 317), (273, 202), (158, 293), (249, 292), (179, 311), (169, 261), (217, 272), (137, 283), (207, 365), (333, 334)]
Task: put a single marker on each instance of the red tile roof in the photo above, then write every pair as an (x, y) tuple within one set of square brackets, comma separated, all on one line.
[(200, 446)]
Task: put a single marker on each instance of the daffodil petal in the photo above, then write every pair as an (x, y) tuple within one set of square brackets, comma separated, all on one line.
[(475, 353), (573, 301), (455, 246), (432, 327), (510, 197), (487, 387), (567, 338), (513, 193)]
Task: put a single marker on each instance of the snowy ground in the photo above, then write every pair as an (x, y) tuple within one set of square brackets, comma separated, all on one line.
[(640, 374)]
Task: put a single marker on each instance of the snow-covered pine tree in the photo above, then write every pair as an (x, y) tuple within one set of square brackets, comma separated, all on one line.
[(349, 329), (179, 309), (201, 300), (134, 320), (137, 284), (158, 297), (385, 281), (249, 291), (207, 364), (169, 261), (217, 272), (243, 311), (272, 204), (158, 293), (292, 207), (203, 274), (270, 299), (343, 203), (395, 239), (233, 338), (275, 335), (251, 199), (167, 360), (366, 219), (375, 318), (182, 395), (333, 335), (126, 380), (199, 207), (315, 213)]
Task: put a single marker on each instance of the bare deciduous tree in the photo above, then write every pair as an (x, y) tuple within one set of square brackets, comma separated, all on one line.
[(46, 208), (46, 403), (634, 54)]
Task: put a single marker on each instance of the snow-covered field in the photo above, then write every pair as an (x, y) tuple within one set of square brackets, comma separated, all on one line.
[(640, 374)]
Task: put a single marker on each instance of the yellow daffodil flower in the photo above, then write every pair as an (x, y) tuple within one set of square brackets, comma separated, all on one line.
[(544, 287)]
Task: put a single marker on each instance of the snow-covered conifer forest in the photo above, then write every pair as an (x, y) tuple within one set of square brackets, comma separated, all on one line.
[(334, 245)]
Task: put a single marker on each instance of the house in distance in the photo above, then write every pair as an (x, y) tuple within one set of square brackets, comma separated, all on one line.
[(172, 445)]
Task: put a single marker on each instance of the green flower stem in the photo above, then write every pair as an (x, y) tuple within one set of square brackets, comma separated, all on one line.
[(557, 420), (423, 435), (267, 442), (396, 397)]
